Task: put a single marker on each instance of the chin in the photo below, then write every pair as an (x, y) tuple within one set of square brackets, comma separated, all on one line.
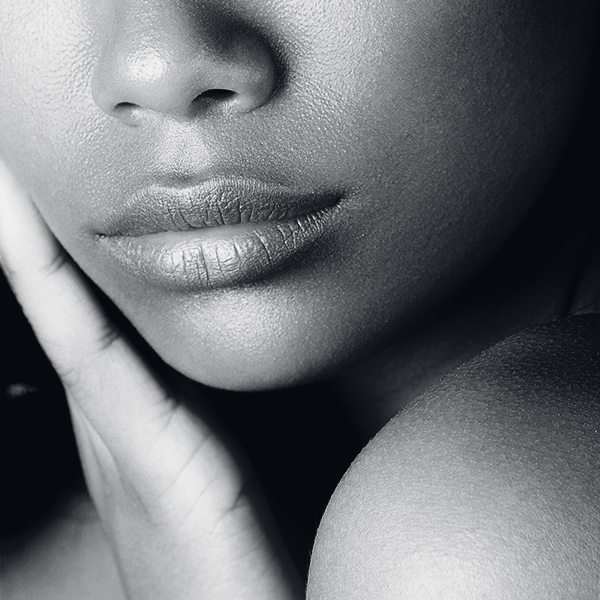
[(242, 355), (246, 371)]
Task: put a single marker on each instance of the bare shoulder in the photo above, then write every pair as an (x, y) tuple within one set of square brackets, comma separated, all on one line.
[(487, 486)]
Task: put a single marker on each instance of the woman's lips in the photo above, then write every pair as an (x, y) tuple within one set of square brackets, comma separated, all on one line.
[(222, 232)]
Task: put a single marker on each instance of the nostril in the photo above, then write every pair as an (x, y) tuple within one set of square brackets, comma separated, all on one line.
[(126, 112), (215, 100), (123, 107), (216, 95)]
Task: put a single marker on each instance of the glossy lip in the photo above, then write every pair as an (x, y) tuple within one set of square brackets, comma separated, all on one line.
[(221, 232)]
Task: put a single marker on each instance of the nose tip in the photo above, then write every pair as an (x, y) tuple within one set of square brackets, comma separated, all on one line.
[(173, 71)]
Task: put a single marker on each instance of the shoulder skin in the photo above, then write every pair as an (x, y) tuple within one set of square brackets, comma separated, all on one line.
[(486, 486)]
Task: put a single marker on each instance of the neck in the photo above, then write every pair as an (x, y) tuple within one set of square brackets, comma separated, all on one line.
[(532, 281)]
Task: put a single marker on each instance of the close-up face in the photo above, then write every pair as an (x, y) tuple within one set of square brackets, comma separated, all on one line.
[(270, 190)]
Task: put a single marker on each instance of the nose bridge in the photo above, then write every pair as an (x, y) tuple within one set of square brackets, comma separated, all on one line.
[(177, 57)]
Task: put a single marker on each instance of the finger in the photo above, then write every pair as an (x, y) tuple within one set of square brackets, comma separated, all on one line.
[(128, 426), (166, 487), (33, 261), (124, 416), (103, 375)]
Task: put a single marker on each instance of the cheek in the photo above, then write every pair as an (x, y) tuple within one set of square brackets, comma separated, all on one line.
[(45, 55), (49, 121), (427, 114)]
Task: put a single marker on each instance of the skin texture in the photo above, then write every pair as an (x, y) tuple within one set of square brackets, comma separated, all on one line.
[(486, 486), (436, 126), (436, 123)]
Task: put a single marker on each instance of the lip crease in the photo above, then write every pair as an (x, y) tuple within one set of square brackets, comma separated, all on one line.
[(221, 232)]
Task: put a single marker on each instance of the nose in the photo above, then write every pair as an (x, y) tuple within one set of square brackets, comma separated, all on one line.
[(181, 59)]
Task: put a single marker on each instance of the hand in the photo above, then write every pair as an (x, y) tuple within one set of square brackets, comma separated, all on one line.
[(173, 500)]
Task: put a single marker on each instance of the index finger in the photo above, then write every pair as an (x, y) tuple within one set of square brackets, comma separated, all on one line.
[(108, 383), (83, 345)]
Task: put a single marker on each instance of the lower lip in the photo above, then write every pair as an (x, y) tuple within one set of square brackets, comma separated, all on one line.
[(219, 257)]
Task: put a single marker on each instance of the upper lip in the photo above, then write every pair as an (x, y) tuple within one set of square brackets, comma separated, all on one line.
[(214, 202)]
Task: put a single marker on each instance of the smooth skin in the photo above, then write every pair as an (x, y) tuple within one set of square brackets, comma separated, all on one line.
[(439, 124), (485, 487)]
